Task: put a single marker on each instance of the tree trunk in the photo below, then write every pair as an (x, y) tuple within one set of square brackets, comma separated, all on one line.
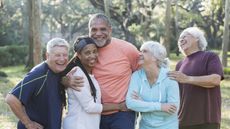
[(36, 32), (167, 36), (34, 7), (106, 7), (30, 62), (25, 21), (176, 26), (1, 3), (226, 34)]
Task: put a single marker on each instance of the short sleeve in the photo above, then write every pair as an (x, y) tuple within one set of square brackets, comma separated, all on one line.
[(28, 87), (132, 54), (214, 65)]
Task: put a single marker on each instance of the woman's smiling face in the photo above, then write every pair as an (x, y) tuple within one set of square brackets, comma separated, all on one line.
[(88, 56)]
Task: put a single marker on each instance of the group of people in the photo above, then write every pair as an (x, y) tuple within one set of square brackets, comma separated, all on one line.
[(108, 80)]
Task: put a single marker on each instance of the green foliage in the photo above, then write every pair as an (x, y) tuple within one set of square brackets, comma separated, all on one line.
[(3, 74), (225, 110), (15, 74), (13, 55), (11, 23), (227, 70)]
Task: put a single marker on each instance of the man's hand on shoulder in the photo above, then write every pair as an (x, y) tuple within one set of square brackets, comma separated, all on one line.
[(75, 82)]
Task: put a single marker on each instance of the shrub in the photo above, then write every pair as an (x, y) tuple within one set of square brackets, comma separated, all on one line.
[(3, 74), (13, 55), (227, 71)]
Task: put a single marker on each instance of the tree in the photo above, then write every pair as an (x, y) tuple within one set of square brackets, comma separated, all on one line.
[(226, 33), (133, 20), (106, 6), (176, 24), (1, 4), (10, 23), (34, 8), (205, 14), (167, 36)]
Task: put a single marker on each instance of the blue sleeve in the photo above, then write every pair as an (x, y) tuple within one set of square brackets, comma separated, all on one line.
[(28, 87), (139, 105), (173, 92), (173, 95)]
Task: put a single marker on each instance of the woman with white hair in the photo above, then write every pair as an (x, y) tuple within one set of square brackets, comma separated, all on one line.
[(199, 75), (151, 92)]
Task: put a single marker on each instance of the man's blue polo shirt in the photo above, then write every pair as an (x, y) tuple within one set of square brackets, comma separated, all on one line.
[(40, 94)]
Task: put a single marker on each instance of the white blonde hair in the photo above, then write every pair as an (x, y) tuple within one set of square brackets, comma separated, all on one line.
[(56, 42), (158, 51), (198, 34)]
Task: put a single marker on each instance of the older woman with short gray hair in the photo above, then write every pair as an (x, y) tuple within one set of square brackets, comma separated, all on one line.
[(151, 92)]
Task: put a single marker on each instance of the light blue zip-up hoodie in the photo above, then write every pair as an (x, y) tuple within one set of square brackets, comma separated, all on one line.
[(164, 90)]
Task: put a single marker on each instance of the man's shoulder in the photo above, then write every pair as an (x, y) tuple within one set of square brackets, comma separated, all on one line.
[(123, 45), (40, 67), (38, 71), (121, 41), (207, 55), (210, 53)]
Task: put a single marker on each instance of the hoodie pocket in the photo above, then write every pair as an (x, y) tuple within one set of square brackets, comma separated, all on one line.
[(153, 119)]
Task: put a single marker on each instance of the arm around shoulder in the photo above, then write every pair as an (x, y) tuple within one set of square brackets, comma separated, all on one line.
[(73, 81)]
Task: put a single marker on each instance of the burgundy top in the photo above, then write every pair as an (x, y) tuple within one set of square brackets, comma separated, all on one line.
[(200, 105)]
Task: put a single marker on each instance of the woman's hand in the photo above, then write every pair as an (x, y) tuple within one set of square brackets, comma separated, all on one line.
[(136, 96), (169, 108)]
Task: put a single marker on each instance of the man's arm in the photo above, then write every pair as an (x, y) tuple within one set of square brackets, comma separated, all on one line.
[(114, 107), (19, 110), (206, 81), (75, 82)]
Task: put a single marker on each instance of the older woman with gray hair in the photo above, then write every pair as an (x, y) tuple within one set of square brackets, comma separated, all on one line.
[(199, 75), (151, 92)]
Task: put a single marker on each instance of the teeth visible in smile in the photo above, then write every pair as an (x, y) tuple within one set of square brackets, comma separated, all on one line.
[(60, 63), (92, 61)]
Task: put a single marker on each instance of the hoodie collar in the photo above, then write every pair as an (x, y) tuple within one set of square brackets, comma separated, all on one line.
[(162, 75)]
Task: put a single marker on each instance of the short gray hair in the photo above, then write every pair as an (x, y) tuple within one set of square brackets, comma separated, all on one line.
[(158, 51), (56, 42), (198, 34), (99, 16)]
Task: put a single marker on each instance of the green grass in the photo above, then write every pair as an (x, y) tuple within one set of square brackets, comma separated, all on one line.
[(8, 120), (225, 90), (174, 59)]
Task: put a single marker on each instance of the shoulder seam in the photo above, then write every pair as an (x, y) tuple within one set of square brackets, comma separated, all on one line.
[(35, 79)]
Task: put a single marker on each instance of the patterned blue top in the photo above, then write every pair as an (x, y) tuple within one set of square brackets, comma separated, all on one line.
[(40, 94)]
